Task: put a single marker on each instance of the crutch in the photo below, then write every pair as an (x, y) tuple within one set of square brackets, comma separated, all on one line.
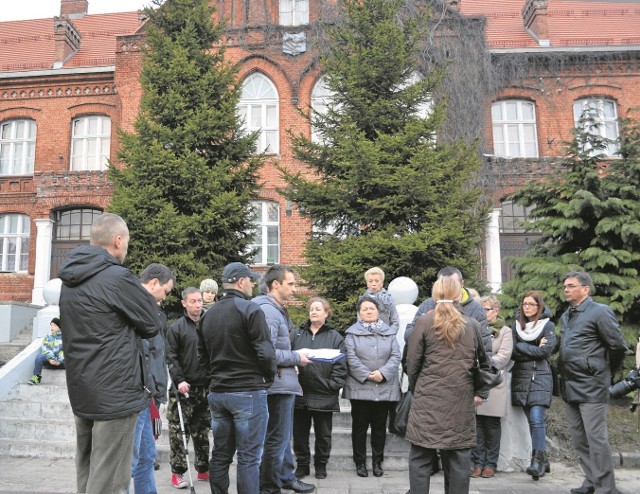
[(184, 436)]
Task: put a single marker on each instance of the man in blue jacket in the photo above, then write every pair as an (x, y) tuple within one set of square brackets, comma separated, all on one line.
[(591, 349), (106, 312), (277, 468)]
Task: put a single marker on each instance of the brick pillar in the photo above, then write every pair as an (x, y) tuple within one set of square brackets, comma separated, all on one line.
[(74, 8)]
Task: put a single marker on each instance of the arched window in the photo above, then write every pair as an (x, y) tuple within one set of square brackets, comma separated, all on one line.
[(15, 230), (72, 227), (294, 12), (17, 147), (258, 108), (90, 143), (603, 114), (321, 97), (267, 232), (74, 224), (514, 129)]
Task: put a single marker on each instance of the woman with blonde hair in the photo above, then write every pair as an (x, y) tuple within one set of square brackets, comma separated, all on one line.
[(440, 360)]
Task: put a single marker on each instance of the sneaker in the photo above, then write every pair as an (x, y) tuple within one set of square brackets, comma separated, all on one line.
[(177, 481), (302, 471), (203, 476), (35, 379)]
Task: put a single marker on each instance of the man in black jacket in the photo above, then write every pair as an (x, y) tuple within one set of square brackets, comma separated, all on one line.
[(191, 380), (236, 349), (106, 312), (591, 348)]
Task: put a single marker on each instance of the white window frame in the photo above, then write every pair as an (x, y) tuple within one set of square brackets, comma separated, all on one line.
[(265, 224), (259, 110), (606, 125), (503, 126), (15, 232), (90, 150), (294, 12), (17, 147)]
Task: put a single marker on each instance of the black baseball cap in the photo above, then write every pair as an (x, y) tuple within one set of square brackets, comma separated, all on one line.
[(233, 271)]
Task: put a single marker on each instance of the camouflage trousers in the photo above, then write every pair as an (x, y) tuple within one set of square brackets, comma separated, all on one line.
[(197, 422)]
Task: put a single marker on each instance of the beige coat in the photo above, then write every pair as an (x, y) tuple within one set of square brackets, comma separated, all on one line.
[(442, 414), (496, 404)]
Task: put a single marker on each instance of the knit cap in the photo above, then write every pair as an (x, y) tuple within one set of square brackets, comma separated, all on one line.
[(209, 285)]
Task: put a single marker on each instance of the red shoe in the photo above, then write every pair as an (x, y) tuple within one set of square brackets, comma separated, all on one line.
[(177, 481), (487, 473), (203, 476)]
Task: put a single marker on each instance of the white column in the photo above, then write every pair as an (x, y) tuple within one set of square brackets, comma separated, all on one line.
[(43, 260), (492, 248)]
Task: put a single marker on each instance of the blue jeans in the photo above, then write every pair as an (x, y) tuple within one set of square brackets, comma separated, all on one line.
[(278, 465), (239, 423), (488, 434), (535, 417), (144, 454), (42, 361)]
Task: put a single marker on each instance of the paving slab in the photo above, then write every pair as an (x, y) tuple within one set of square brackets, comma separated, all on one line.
[(47, 476)]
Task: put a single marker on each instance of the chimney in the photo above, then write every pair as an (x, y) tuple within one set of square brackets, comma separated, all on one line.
[(534, 14), (73, 9), (67, 40)]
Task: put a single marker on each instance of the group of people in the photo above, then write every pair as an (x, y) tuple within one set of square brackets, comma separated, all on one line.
[(239, 366), (440, 363)]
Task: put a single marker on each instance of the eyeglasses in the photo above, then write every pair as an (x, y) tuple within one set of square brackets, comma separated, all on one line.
[(527, 304), (571, 286)]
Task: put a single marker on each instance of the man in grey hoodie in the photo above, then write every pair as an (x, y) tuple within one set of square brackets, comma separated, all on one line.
[(277, 468)]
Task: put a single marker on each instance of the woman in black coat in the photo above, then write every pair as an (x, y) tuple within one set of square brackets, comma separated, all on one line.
[(320, 384), (534, 338)]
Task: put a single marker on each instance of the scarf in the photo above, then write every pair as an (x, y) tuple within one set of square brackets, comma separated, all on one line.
[(531, 331), (372, 327), (496, 326)]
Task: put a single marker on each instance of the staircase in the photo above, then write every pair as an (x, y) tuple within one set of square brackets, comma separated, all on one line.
[(38, 422)]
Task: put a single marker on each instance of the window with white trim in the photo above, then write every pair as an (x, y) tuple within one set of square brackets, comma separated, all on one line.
[(321, 97), (294, 12), (15, 230), (266, 241), (603, 114), (17, 147), (90, 143), (258, 109), (514, 129)]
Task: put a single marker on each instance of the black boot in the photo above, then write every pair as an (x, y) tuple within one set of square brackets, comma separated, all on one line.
[(377, 469), (361, 470), (537, 467), (547, 466)]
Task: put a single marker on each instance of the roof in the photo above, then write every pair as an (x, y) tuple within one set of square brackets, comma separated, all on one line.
[(571, 23), (30, 45)]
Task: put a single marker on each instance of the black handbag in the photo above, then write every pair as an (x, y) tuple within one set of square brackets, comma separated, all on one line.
[(484, 377), (398, 424)]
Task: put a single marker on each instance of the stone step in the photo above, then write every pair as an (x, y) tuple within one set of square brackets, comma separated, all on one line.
[(43, 392)]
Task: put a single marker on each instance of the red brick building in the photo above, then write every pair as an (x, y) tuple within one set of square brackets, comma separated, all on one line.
[(68, 83)]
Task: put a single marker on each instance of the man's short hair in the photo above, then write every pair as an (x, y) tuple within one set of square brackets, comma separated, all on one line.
[(582, 277), (159, 271), (188, 291), (277, 272), (449, 271), (374, 270), (105, 227)]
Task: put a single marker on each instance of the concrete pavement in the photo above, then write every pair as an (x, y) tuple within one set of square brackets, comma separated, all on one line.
[(45, 476)]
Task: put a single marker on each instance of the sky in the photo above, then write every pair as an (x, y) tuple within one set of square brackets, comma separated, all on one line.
[(13, 10)]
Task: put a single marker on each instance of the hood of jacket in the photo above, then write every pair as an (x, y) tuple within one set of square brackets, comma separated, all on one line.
[(379, 327), (268, 299), (83, 262)]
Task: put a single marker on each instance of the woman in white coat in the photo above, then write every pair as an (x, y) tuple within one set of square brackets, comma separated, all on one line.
[(484, 457)]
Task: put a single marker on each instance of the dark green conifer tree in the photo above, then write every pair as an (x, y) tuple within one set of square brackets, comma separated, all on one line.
[(189, 170), (383, 190), (589, 217)]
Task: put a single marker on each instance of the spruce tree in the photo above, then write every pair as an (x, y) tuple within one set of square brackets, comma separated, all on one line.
[(383, 189), (589, 218), (189, 172)]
